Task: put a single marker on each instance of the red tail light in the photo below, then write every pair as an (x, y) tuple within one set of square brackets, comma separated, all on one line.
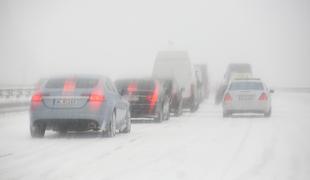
[(227, 98), (132, 87), (36, 97), (152, 98), (36, 100), (95, 99), (96, 96), (263, 97), (69, 85)]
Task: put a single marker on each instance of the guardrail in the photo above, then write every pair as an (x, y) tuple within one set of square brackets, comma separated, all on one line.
[(15, 97)]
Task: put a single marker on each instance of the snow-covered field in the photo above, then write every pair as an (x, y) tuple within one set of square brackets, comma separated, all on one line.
[(202, 145)]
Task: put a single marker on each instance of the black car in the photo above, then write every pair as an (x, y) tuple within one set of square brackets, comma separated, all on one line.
[(148, 98)]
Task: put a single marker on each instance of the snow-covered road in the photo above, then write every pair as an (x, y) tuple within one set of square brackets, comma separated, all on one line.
[(202, 145)]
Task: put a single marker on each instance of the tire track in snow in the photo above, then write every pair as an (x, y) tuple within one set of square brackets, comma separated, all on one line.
[(237, 152)]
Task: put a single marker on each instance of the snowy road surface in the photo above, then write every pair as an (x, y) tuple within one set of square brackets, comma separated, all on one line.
[(202, 145)]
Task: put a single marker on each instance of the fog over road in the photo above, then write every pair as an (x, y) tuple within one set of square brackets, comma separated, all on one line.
[(202, 145)]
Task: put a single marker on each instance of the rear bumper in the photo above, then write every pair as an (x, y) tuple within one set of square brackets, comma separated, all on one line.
[(143, 111), (75, 119), (247, 107)]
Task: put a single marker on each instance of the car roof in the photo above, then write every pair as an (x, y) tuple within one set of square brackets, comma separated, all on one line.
[(246, 80), (77, 76)]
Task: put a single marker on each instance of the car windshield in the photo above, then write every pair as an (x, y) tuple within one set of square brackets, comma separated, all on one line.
[(239, 86)]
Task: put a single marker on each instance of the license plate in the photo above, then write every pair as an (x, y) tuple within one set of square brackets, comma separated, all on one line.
[(245, 98), (65, 102)]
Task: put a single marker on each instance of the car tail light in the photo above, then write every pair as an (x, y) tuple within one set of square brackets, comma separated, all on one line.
[(96, 98), (227, 98), (69, 85), (153, 97), (36, 97), (263, 97), (36, 100), (132, 87)]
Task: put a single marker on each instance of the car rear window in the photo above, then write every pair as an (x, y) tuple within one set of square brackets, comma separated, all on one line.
[(138, 85), (145, 85), (81, 83), (237, 86)]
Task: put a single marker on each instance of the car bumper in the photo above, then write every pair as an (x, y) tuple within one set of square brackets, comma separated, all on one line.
[(69, 117), (143, 111), (247, 107)]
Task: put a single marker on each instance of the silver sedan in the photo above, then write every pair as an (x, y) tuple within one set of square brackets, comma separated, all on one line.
[(78, 103), (247, 96)]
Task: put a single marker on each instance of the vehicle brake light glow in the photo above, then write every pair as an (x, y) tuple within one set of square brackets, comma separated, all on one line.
[(263, 97), (69, 85), (36, 97), (36, 100), (227, 98), (96, 98), (152, 98), (132, 87)]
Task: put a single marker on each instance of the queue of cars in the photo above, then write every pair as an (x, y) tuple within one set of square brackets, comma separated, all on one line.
[(83, 103)]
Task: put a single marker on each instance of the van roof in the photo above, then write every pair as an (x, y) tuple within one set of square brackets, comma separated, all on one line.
[(172, 55)]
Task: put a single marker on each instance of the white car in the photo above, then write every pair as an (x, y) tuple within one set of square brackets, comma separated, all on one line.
[(247, 96)]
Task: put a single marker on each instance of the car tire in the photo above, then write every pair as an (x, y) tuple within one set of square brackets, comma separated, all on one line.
[(194, 106), (179, 111), (167, 110), (128, 123), (37, 130), (226, 114), (160, 115), (111, 129), (268, 114)]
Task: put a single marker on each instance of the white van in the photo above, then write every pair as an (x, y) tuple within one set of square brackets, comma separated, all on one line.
[(177, 65)]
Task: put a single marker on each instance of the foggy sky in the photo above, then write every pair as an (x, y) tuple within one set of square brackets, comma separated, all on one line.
[(119, 38)]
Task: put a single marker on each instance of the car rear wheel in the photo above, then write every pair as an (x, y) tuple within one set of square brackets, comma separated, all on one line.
[(160, 115), (226, 114), (268, 114), (128, 124), (37, 130), (179, 111), (167, 110), (111, 129)]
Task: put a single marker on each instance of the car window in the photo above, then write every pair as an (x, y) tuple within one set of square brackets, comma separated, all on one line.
[(235, 86), (81, 83)]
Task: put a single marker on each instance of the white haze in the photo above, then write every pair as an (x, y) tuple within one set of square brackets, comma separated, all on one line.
[(120, 38)]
